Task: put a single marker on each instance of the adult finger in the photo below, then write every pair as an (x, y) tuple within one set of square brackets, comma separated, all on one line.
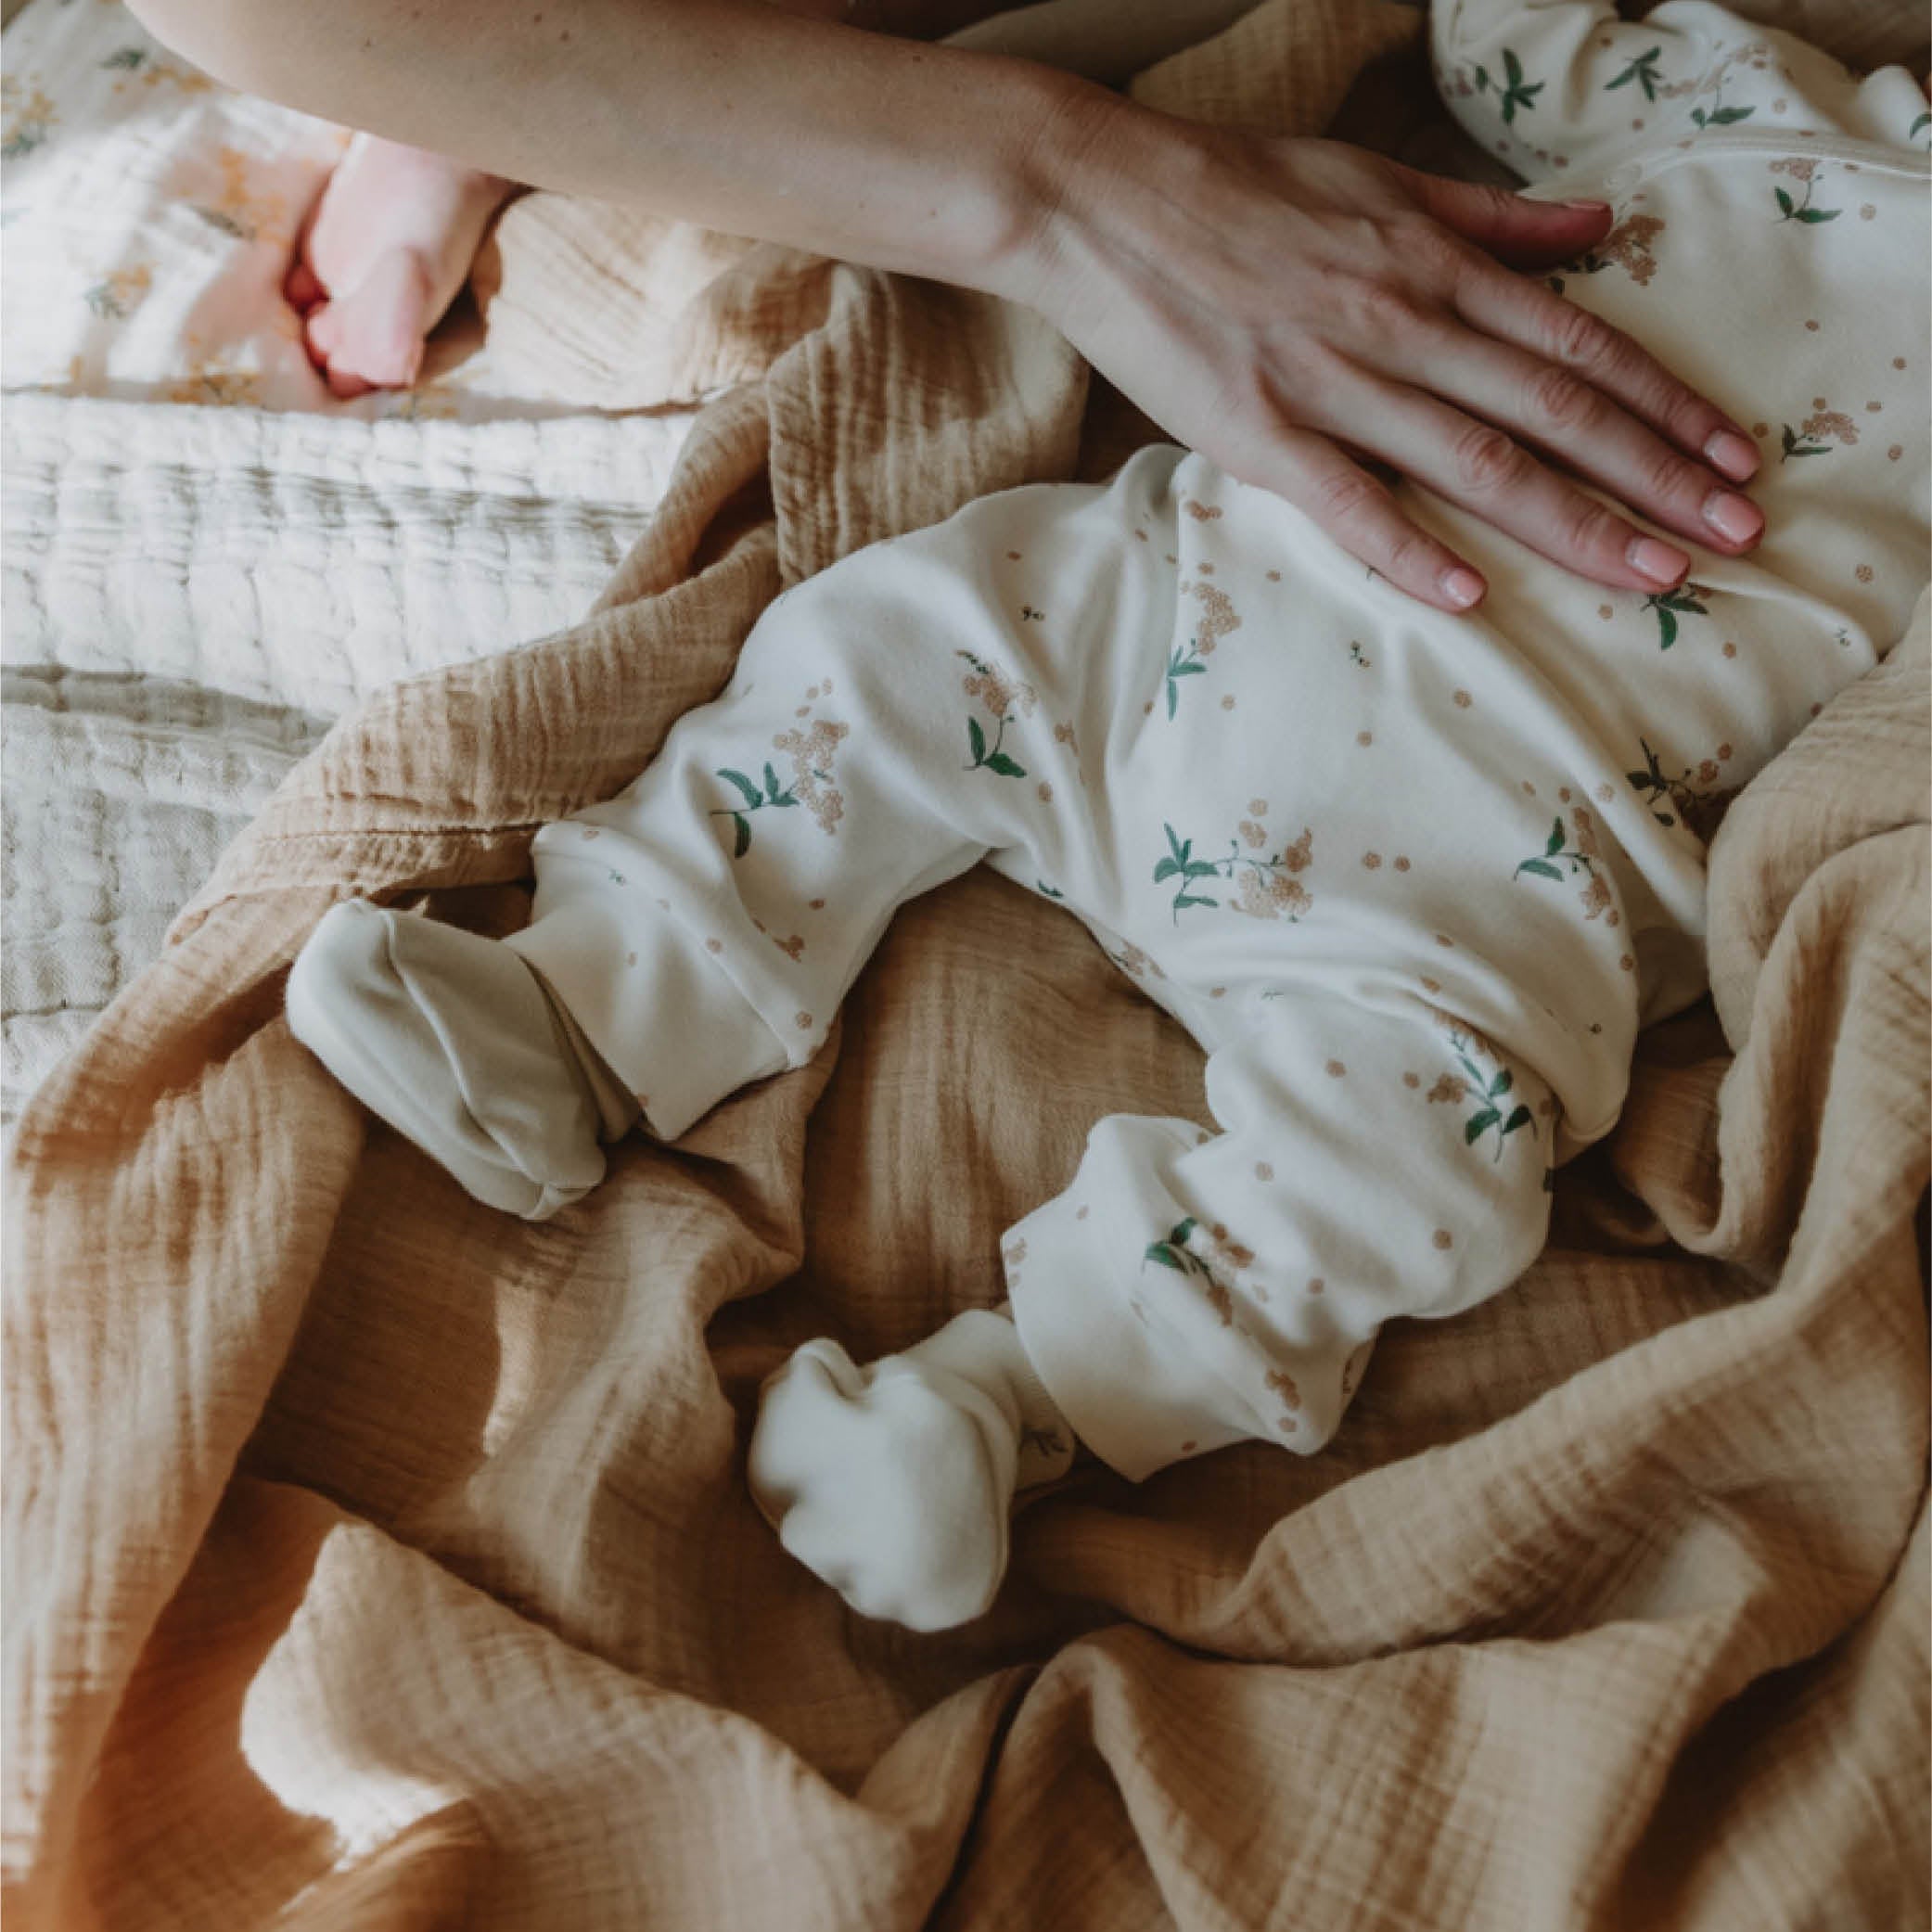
[(1361, 513), (1515, 310), (1491, 475), (1557, 411), (1525, 233)]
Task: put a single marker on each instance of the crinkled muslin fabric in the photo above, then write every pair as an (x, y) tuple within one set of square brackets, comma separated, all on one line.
[(378, 1561)]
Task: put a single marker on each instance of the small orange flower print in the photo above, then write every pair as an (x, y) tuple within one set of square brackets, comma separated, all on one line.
[(29, 120), (1002, 695)]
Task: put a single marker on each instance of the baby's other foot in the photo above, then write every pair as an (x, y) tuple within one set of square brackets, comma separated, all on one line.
[(892, 1483), (454, 1041), (383, 254)]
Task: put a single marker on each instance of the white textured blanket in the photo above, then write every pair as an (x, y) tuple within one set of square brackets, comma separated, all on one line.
[(192, 594)]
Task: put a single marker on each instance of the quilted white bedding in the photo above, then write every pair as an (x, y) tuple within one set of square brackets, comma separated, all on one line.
[(192, 594), (196, 584)]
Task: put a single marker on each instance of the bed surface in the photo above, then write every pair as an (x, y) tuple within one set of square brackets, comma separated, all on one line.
[(206, 559)]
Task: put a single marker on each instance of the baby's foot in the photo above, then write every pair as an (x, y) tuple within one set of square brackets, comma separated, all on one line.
[(894, 1482), (383, 254), (453, 1040)]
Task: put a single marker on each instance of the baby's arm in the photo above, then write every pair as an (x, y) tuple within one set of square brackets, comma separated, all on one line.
[(1559, 87), (1189, 1290)]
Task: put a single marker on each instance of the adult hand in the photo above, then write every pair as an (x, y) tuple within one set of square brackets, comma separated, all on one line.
[(1277, 304)]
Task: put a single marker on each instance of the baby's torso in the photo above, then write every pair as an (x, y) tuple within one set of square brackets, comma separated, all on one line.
[(1252, 766)]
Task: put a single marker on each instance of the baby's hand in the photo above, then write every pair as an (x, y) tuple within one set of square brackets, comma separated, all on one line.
[(891, 1482)]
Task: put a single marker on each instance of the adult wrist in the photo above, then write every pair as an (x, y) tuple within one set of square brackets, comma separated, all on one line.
[(1044, 185)]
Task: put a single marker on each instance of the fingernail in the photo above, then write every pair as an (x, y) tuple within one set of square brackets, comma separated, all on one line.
[(1735, 456), (1594, 207), (1660, 562), (1736, 519), (1462, 587)]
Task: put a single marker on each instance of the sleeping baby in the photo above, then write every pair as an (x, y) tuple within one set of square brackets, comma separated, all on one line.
[(1412, 881)]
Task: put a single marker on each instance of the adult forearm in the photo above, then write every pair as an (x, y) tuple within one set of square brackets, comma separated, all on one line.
[(731, 114)]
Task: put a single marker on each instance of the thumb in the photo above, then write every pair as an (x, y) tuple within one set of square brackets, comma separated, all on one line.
[(1516, 229)]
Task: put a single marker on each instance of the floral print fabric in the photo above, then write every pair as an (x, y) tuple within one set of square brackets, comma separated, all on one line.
[(1413, 882)]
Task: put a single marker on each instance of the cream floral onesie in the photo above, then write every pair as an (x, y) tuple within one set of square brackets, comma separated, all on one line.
[(1413, 881)]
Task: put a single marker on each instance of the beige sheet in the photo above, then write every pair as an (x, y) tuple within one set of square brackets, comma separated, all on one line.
[(374, 1561)]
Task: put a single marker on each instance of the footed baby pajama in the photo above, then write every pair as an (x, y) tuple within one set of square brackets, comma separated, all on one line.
[(1413, 882)]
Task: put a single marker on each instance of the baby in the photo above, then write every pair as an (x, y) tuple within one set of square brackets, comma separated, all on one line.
[(1413, 882)]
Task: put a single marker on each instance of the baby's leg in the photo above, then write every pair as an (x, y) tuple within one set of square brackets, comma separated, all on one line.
[(458, 1044), (1188, 1291), (893, 1483)]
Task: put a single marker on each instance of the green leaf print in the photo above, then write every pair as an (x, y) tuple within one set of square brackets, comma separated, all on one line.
[(1267, 887), (1000, 694), (1924, 121), (756, 799), (126, 59), (1488, 1089), (1797, 444), (1643, 71), (1181, 863), (991, 758), (1577, 856), (1721, 116), (1658, 788), (1183, 663), (1516, 94), (1174, 1252), (1672, 604), (1796, 210)]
